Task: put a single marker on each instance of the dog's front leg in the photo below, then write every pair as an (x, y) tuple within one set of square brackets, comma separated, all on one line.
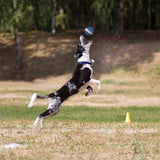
[(90, 90), (94, 81)]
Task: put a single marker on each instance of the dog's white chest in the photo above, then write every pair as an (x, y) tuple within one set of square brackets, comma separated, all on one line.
[(85, 56)]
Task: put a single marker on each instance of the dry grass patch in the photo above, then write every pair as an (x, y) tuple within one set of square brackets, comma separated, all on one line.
[(129, 90), (79, 141)]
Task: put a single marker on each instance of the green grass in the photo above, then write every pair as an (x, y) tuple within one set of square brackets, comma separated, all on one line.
[(125, 83), (85, 114), (144, 92)]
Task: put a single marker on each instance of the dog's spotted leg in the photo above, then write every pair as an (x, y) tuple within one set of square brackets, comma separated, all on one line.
[(52, 110), (42, 116), (33, 98)]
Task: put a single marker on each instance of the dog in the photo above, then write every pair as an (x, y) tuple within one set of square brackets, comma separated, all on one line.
[(80, 77)]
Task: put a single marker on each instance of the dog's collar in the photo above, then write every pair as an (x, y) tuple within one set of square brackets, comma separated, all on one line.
[(84, 62)]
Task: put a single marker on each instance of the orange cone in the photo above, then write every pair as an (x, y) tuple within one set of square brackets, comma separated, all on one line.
[(128, 120)]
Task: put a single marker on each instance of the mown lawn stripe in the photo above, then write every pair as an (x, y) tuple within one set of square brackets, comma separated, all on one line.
[(87, 114)]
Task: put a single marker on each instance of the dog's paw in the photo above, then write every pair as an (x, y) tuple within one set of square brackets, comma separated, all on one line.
[(98, 90), (36, 121), (33, 98), (87, 93), (92, 61), (90, 90), (99, 87)]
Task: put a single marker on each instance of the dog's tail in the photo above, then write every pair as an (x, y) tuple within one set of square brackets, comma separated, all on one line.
[(35, 95)]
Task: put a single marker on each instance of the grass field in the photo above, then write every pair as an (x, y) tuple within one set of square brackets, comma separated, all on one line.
[(86, 128), (86, 114)]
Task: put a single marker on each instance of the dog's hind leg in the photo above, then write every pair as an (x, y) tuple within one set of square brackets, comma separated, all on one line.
[(43, 97), (47, 96), (42, 122), (36, 121), (53, 109), (41, 117), (33, 98), (44, 115)]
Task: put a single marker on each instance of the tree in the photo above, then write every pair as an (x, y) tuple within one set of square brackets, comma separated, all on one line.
[(105, 12), (47, 15), (16, 22), (120, 24), (53, 17)]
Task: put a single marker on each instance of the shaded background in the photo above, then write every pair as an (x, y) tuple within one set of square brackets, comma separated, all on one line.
[(38, 38)]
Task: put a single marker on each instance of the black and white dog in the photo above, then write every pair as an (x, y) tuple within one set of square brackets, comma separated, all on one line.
[(81, 76)]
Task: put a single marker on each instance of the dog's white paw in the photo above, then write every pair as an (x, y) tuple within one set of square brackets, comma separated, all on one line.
[(98, 90), (36, 121), (33, 98), (99, 87)]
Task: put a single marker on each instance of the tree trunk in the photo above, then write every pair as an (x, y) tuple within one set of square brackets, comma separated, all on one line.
[(120, 25), (19, 51), (53, 17)]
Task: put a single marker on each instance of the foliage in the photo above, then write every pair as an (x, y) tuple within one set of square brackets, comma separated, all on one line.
[(61, 21), (102, 14)]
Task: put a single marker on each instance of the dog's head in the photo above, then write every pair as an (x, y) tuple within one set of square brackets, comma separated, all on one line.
[(80, 50)]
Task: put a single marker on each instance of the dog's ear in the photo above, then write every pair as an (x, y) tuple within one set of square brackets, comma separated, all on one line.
[(77, 55), (80, 50)]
